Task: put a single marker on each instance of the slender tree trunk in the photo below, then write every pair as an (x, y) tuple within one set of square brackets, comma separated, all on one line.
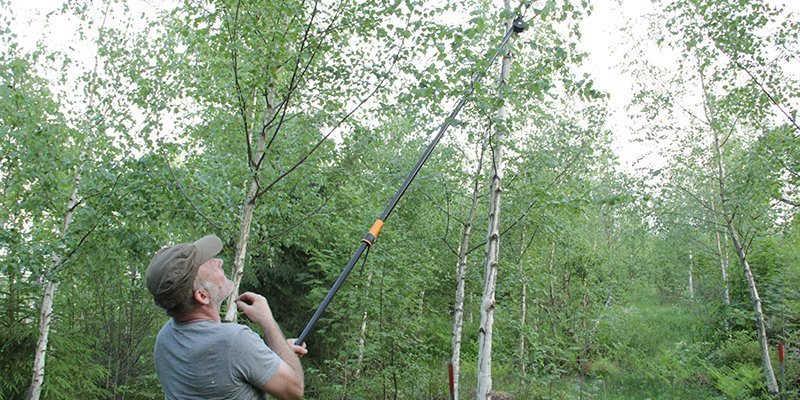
[(769, 372), (723, 265), (461, 272), (362, 339), (11, 311), (691, 277), (552, 292), (248, 208), (51, 285), (523, 307), (587, 347), (345, 375), (45, 312), (484, 390)]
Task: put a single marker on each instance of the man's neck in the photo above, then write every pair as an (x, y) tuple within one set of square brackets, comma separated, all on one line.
[(200, 313)]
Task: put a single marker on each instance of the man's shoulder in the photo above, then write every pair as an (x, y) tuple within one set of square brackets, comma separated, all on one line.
[(204, 325), (203, 328)]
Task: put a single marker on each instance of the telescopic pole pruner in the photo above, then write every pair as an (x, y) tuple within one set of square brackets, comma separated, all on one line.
[(369, 239)]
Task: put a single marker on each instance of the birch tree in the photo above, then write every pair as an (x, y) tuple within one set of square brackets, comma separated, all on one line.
[(484, 389), (722, 44), (461, 270), (90, 121), (728, 216), (278, 80), (30, 115)]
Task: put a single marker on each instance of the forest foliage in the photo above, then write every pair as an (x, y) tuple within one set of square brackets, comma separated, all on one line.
[(313, 112)]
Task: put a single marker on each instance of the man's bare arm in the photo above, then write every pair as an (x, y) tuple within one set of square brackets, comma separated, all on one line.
[(287, 382)]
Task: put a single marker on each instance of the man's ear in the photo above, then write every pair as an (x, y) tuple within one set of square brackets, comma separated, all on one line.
[(202, 296)]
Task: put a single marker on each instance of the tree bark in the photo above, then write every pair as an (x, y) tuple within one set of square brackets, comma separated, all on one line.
[(248, 208), (45, 312), (723, 265), (769, 372), (461, 272), (51, 285), (489, 284), (484, 390)]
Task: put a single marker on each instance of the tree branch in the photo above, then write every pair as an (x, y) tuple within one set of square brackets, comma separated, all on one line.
[(789, 202), (772, 99), (301, 220), (334, 129), (186, 196)]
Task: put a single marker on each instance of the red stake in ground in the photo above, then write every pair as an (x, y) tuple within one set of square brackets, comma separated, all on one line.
[(452, 384)]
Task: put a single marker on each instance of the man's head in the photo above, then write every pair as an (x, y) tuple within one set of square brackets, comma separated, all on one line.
[(211, 285), (173, 272)]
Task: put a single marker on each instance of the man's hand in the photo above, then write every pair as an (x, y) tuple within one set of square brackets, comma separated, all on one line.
[(287, 382), (255, 307), (299, 350)]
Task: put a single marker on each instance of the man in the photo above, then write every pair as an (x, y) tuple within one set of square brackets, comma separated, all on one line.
[(197, 356)]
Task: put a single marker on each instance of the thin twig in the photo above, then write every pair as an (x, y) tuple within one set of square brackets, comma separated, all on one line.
[(772, 99), (186, 196), (332, 130)]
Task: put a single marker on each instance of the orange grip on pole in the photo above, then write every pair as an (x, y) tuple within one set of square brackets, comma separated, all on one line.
[(372, 235), (376, 228)]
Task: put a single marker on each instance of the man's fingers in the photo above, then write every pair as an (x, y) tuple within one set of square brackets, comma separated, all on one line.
[(299, 350)]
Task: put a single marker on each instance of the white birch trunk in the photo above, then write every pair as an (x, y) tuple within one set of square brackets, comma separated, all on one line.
[(484, 390), (51, 285), (45, 313), (461, 272), (769, 372), (237, 272), (723, 265), (46, 310), (489, 284)]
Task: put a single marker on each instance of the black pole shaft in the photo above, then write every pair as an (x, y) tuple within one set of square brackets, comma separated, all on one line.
[(442, 130), (411, 175), (331, 293)]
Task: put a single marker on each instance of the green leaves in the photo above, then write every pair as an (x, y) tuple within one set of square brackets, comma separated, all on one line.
[(171, 113)]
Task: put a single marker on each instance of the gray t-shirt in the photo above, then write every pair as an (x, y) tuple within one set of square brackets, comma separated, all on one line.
[(210, 360)]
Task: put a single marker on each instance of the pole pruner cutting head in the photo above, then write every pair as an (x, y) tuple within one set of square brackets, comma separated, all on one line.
[(518, 25)]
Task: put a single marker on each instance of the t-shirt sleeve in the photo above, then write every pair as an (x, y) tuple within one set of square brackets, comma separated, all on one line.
[(253, 361)]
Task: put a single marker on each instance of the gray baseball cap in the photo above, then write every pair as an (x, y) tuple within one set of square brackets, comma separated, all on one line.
[(171, 274)]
